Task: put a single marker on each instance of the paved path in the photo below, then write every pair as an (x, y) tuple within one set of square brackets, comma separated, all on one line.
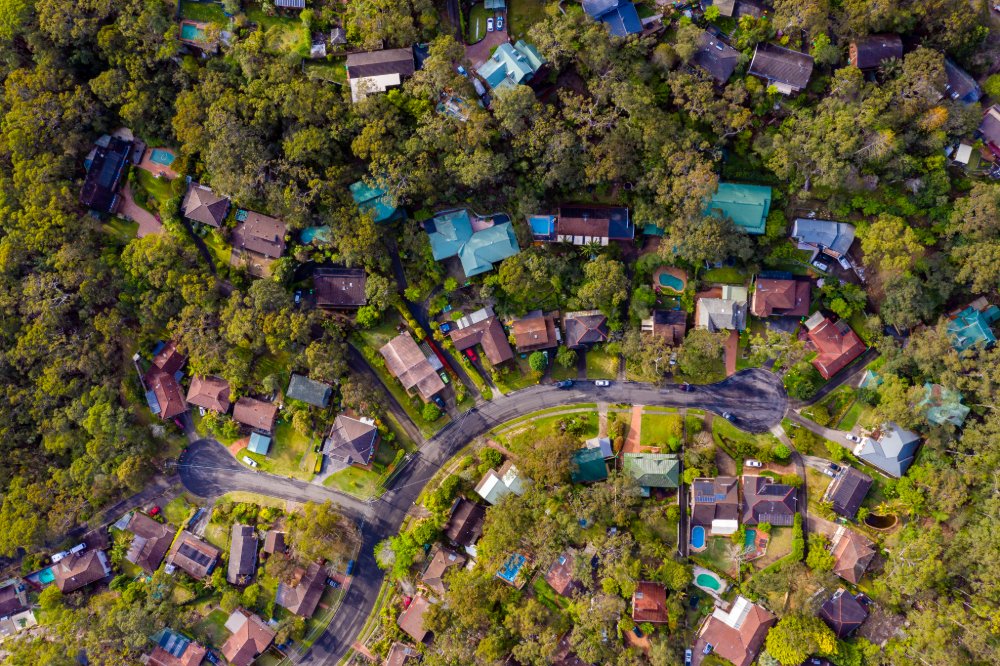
[(128, 208), (838, 436), (634, 438), (207, 470), (732, 351)]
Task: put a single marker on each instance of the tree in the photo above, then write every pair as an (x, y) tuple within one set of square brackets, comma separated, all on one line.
[(700, 357), (688, 39), (605, 286), (230, 600), (819, 558), (321, 532), (548, 461), (796, 637), (890, 244), (565, 357), (430, 412), (991, 86), (538, 361)]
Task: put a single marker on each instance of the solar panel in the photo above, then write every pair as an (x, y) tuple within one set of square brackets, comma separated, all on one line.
[(195, 555)]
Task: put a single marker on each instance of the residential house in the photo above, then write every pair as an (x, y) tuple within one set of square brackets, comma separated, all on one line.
[(588, 466), (210, 393), (309, 391), (375, 199), (411, 620), (290, 4), (274, 542), (602, 444), (649, 603), (249, 638), (513, 571), (970, 327), (351, 442), (671, 325), (13, 597), (728, 313), (560, 575), (788, 71), (746, 205), (852, 554), (405, 362), (16, 623), (478, 244), (620, 16), (465, 525), (107, 168), (192, 555), (511, 65), (585, 328), (736, 635), (203, 205), (847, 491), (303, 594), (163, 390), (716, 57), (536, 331), (582, 225), (340, 288), (489, 334), (256, 414), (401, 654), (843, 613), (652, 470), (715, 504), (989, 129), (496, 485), (941, 405), (836, 343), (871, 51), (258, 239), (780, 298), (377, 71), (765, 501), (725, 7), (242, 554), (442, 560), (961, 87), (150, 541), (889, 448), (259, 443), (174, 649), (78, 570), (823, 236)]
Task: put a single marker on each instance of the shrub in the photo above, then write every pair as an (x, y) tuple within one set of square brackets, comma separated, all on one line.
[(782, 453), (430, 412), (992, 86), (537, 361)]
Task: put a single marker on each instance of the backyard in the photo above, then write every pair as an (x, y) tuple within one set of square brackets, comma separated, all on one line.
[(208, 12), (526, 433), (333, 70), (219, 249), (780, 544), (664, 430), (285, 34), (121, 229), (158, 188), (716, 556)]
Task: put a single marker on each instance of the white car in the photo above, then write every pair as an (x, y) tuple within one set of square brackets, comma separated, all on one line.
[(844, 262), (602, 382), (250, 461), (489, 24), (752, 463), (853, 438)]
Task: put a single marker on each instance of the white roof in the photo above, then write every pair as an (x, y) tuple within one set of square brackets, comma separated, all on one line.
[(963, 154), (723, 527), (364, 86), (236, 621), (737, 613)]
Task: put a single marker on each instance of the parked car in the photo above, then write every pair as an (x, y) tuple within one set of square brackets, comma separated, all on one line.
[(332, 583), (489, 24), (461, 70), (445, 327), (350, 567), (444, 377), (564, 384), (298, 296), (752, 463), (500, 23), (829, 472), (438, 401), (58, 557), (250, 461), (708, 648), (637, 631), (835, 467), (821, 265), (673, 359), (602, 382), (844, 262), (155, 511), (471, 353), (687, 388), (688, 655), (728, 416), (852, 438)]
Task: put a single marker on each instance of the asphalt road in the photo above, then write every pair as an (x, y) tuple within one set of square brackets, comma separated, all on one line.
[(755, 397)]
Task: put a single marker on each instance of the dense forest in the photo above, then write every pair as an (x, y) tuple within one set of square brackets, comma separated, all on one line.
[(623, 121)]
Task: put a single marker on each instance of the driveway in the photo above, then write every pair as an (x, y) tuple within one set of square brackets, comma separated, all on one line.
[(479, 52), (732, 349), (838, 436), (129, 209)]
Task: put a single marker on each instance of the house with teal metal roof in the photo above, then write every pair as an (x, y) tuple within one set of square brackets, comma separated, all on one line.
[(588, 466), (971, 328), (652, 470), (376, 200), (451, 235), (511, 65), (941, 405), (746, 205), (259, 444)]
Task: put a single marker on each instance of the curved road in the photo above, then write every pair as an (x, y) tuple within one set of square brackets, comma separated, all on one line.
[(755, 397)]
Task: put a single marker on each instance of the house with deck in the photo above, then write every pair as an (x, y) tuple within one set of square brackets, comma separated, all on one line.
[(249, 638), (788, 71), (889, 448), (649, 603)]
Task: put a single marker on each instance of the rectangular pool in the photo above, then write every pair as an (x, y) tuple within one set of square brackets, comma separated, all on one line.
[(192, 33), (164, 157)]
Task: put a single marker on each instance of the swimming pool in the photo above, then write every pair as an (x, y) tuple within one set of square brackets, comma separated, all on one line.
[(45, 576), (164, 157), (316, 234), (671, 282), (750, 540), (192, 33), (697, 536), (708, 581)]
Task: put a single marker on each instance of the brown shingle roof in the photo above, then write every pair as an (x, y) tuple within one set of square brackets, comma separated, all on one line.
[(169, 360), (340, 288), (193, 655), (303, 598), (765, 501), (649, 603), (781, 65), (191, 554), (535, 331), (209, 392), (869, 52), (490, 334), (274, 542), (80, 569), (405, 361), (250, 639), (852, 553), (584, 328), (400, 654), (716, 57), (785, 298), (203, 205), (13, 597), (412, 619), (255, 413), (150, 541), (837, 344), (444, 559), (260, 234), (380, 63), (741, 643), (560, 575), (843, 613), (466, 523), (670, 325)]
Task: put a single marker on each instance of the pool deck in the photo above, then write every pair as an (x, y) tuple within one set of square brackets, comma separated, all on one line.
[(724, 585), (155, 168), (678, 273)]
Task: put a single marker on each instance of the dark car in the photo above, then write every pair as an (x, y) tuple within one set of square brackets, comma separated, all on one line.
[(637, 631), (686, 387), (445, 327), (438, 401), (332, 583), (835, 467), (350, 567), (564, 384)]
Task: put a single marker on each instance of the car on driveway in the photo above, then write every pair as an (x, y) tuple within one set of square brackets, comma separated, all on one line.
[(752, 463), (461, 70), (471, 353), (728, 416), (438, 401), (445, 327), (835, 467), (687, 657), (489, 24), (500, 23), (821, 265), (829, 472), (602, 382), (444, 377), (852, 438)]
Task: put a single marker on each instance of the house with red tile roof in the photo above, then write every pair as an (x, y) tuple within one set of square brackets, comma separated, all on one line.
[(852, 554), (535, 331), (836, 343), (489, 334), (209, 393), (736, 635), (649, 603), (780, 298)]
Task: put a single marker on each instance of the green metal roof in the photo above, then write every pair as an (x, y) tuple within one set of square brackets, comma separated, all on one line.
[(653, 470), (589, 466), (259, 443), (510, 65), (746, 205), (451, 235), (969, 329), (943, 405)]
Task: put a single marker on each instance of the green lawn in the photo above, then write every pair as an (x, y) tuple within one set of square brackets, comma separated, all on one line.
[(158, 188), (176, 512), (729, 437), (208, 12), (524, 436), (816, 483), (725, 275), (779, 546), (523, 14), (219, 248), (664, 430), (545, 594), (122, 229), (560, 373), (535, 415), (715, 556), (355, 481), (333, 70), (290, 455), (213, 628), (285, 34), (601, 365), (477, 22)]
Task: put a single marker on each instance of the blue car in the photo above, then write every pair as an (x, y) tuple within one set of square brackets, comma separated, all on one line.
[(564, 384), (350, 567)]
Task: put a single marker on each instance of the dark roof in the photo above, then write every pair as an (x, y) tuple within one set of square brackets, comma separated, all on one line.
[(274, 542), (13, 597), (585, 328), (380, 63), (351, 441), (309, 391), (535, 331), (490, 334), (80, 569), (781, 65), (843, 613), (670, 324), (290, 4), (714, 499), (193, 555), (611, 222), (620, 16), (443, 559), (852, 553), (989, 128), (466, 523), (560, 575), (100, 187), (150, 541), (260, 234), (848, 491), (203, 205), (961, 86), (716, 57), (242, 554), (303, 598), (210, 393), (869, 52), (340, 288), (649, 603), (255, 413), (765, 501)]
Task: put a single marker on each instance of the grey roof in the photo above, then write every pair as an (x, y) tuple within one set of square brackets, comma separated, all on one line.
[(716, 57), (781, 65), (961, 86), (290, 4), (869, 52), (309, 391), (242, 554), (892, 449), (380, 63), (836, 236), (843, 613), (303, 598), (848, 491), (765, 501), (351, 440), (203, 205), (719, 314)]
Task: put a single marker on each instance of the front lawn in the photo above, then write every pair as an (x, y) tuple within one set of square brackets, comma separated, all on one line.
[(176, 512), (740, 444), (477, 22), (523, 14), (725, 275), (291, 454), (158, 188), (601, 365), (362, 483), (581, 424), (517, 375), (559, 373), (208, 12), (663, 430)]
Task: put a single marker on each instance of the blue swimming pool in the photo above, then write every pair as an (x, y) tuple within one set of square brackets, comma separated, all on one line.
[(192, 33), (671, 282), (697, 536), (750, 540), (316, 235), (45, 576), (164, 157)]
